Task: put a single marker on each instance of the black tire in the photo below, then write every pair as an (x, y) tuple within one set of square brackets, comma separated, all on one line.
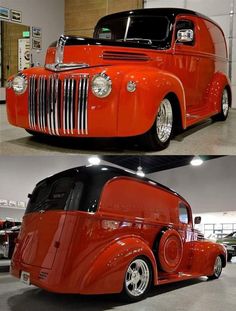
[(229, 257), (217, 269), (133, 276), (159, 136), (36, 134), (225, 105)]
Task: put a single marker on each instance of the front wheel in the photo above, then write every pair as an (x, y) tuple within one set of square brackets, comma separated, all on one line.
[(158, 137), (217, 269), (225, 104), (138, 278)]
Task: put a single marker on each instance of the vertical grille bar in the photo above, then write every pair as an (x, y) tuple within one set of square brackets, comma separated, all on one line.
[(64, 106), (54, 103), (83, 104)]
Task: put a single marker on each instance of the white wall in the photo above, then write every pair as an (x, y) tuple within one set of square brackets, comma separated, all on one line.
[(47, 14), (208, 188), (219, 11), (224, 222)]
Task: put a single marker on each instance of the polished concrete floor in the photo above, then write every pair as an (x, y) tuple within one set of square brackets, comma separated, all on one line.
[(193, 295), (211, 138)]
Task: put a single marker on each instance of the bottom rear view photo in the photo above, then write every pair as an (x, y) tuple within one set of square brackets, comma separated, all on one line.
[(124, 230)]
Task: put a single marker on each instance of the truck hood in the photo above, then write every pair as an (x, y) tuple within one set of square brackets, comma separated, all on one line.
[(77, 52)]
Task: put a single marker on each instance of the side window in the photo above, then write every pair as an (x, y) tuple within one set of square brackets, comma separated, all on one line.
[(183, 213), (183, 25)]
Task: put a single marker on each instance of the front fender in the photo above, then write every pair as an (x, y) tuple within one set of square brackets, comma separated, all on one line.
[(137, 110), (106, 275)]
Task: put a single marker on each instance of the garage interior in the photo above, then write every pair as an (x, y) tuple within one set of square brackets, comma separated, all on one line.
[(25, 160), (79, 18), (208, 188)]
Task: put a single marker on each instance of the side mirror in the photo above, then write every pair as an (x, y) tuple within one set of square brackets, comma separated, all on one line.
[(185, 35), (197, 220)]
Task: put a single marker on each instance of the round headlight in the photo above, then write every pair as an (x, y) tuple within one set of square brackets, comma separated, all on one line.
[(19, 84), (101, 85)]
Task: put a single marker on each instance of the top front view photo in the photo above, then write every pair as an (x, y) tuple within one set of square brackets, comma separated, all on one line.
[(152, 80)]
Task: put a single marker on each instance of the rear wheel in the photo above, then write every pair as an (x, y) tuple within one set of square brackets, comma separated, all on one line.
[(217, 269), (138, 278), (158, 137), (225, 104)]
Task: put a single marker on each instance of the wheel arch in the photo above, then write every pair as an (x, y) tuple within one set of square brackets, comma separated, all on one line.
[(177, 112), (106, 275), (137, 114)]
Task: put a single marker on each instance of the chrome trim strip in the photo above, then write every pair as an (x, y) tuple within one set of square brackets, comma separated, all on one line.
[(68, 106), (33, 101), (48, 105), (82, 104), (86, 105), (72, 106), (56, 105), (64, 106), (63, 67), (78, 100), (44, 103)]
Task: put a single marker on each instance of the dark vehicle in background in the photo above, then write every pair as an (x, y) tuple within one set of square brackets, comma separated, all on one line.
[(8, 233), (229, 242)]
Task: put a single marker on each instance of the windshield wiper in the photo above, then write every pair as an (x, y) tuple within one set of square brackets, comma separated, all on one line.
[(141, 40)]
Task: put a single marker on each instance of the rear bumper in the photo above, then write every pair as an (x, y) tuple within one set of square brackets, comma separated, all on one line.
[(43, 278)]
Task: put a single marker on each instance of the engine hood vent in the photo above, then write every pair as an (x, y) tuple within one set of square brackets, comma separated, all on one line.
[(113, 55)]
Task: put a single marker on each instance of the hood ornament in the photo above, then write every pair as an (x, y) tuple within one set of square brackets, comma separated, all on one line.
[(58, 65)]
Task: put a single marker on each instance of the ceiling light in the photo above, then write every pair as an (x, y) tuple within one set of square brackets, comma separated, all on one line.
[(140, 172), (94, 160), (196, 161)]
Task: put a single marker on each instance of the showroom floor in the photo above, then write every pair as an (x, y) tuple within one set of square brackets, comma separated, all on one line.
[(205, 138), (192, 295)]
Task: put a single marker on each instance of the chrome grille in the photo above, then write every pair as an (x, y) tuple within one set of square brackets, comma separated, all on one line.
[(58, 106)]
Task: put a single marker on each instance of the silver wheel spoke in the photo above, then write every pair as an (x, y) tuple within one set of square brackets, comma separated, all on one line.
[(164, 121), (137, 277), (225, 102)]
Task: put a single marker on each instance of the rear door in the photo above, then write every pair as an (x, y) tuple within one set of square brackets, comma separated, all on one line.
[(43, 224)]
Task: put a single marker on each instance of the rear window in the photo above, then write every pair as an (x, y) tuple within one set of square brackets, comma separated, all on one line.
[(51, 196)]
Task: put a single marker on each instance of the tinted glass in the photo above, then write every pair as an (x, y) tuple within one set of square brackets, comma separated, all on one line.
[(51, 196), (154, 28), (183, 214)]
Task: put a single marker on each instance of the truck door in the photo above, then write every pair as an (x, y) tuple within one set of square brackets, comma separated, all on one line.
[(186, 63)]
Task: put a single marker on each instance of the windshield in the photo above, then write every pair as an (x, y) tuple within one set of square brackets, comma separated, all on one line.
[(150, 30)]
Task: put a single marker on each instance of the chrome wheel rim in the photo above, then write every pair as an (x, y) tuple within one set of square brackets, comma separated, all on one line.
[(164, 121), (137, 277), (225, 102), (218, 267)]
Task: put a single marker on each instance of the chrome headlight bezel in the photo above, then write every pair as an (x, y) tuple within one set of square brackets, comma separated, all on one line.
[(98, 90), (19, 84)]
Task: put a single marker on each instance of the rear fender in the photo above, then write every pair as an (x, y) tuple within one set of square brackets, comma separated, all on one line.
[(219, 82), (106, 275), (137, 110), (204, 256)]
